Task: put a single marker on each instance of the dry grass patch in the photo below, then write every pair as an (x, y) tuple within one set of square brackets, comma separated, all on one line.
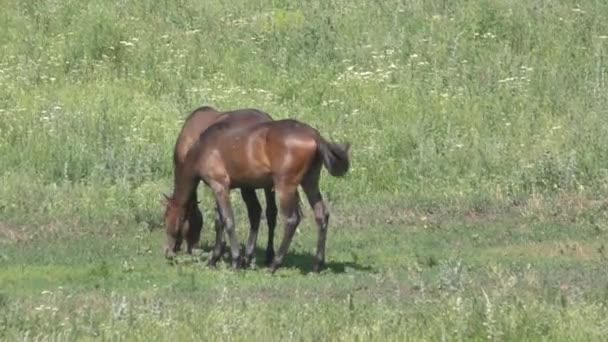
[(582, 251)]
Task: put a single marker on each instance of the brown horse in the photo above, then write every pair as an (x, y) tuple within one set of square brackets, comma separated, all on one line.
[(195, 124), (281, 154)]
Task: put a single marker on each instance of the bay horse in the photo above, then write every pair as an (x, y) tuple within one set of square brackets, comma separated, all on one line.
[(195, 124), (283, 154)]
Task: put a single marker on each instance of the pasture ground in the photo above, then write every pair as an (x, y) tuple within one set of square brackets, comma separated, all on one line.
[(393, 273), (475, 208)]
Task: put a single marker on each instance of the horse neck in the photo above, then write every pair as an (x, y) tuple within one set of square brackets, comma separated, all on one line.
[(184, 186)]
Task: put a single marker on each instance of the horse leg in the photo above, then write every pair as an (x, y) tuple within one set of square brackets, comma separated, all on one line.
[(218, 248), (222, 195), (254, 211), (311, 188), (195, 225), (271, 219), (290, 211)]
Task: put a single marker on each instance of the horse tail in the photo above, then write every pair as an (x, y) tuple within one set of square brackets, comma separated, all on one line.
[(335, 156)]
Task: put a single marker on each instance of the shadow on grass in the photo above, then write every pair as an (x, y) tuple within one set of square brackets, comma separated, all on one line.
[(299, 260), (304, 262)]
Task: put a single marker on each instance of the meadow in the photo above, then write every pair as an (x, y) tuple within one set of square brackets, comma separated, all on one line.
[(475, 208)]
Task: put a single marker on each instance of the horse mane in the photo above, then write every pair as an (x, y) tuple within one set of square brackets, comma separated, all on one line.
[(199, 109), (188, 118)]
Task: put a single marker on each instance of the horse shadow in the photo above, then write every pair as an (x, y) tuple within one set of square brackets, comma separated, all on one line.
[(302, 261)]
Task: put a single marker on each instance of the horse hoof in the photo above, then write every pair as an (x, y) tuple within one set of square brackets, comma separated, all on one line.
[(169, 254), (269, 259), (211, 263), (318, 267), (248, 262), (274, 267), (237, 263)]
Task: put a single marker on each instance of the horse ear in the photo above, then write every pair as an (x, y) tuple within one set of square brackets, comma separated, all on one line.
[(166, 198), (346, 147)]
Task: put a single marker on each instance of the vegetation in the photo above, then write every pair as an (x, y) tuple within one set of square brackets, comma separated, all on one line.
[(475, 208)]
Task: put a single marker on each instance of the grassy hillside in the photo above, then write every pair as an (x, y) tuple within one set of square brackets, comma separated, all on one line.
[(475, 207)]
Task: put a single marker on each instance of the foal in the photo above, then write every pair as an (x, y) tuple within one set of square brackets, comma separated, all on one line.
[(195, 124), (281, 154)]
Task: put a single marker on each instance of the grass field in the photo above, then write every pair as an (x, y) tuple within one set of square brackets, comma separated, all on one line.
[(475, 208)]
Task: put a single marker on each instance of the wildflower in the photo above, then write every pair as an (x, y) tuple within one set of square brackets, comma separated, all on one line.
[(508, 79)]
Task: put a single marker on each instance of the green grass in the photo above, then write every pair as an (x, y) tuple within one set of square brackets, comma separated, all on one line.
[(474, 209), (508, 278)]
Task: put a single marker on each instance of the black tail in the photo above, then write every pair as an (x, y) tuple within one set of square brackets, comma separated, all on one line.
[(335, 157)]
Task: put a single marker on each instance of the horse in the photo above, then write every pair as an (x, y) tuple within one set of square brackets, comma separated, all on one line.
[(195, 124), (282, 154)]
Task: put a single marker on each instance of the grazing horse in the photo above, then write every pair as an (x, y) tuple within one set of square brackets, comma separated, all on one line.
[(196, 123), (283, 154)]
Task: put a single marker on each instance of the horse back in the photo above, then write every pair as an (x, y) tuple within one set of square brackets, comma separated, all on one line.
[(196, 123), (201, 119)]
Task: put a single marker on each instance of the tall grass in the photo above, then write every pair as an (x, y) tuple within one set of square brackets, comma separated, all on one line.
[(448, 104), (442, 100)]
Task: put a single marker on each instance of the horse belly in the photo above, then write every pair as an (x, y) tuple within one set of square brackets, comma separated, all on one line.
[(256, 180)]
